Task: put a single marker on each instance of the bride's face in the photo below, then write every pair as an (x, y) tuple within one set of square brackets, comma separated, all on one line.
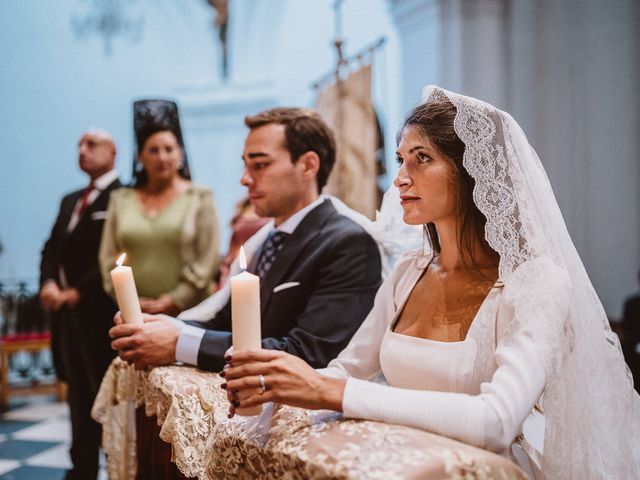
[(426, 180)]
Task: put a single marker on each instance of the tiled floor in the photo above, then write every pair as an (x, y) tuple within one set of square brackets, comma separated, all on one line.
[(34, 440)]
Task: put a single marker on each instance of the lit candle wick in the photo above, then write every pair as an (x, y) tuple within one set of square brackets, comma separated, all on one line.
[(120, 260), (242, 259)]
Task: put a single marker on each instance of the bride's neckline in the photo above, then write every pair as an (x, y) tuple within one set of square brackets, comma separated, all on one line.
[(468, 336), (393, 324)]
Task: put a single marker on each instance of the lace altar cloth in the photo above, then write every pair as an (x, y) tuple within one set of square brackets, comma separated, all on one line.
[(299, 444)]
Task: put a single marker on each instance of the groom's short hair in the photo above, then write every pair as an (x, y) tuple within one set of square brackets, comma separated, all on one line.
[(304, 131)]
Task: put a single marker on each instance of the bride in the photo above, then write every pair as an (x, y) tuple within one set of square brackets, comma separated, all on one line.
[(497, 322)]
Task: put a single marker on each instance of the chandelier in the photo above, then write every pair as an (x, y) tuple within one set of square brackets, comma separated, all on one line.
[(109, 19)]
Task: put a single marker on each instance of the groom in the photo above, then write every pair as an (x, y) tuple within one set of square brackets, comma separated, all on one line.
[(319, 270)]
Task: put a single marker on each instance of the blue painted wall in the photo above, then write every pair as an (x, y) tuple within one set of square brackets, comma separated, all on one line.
[(53, 85)]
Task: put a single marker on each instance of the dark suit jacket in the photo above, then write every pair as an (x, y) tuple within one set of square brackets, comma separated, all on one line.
[(338, 267), (77, 253)]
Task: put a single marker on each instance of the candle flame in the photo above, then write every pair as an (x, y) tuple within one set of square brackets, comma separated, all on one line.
[(242, 259), (120, 260)]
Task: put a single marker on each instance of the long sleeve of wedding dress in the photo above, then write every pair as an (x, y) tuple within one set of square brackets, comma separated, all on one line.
[(489, 420), (490, 417)]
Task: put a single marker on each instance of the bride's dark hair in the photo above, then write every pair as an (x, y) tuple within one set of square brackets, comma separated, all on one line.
[(434, 120)]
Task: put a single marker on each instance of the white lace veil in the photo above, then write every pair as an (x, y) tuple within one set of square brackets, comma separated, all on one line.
[(592, 414)]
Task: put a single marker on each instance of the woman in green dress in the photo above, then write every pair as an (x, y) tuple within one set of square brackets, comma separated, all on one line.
[(166, 225)]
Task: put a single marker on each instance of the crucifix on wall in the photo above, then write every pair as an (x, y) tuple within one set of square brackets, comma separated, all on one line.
[(221, 21)]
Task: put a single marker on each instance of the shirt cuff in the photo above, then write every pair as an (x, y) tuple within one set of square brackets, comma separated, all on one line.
[(189, 343), (174, 321)]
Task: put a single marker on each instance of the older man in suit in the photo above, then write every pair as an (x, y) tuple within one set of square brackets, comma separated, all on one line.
[(319, 270), (71, 288)]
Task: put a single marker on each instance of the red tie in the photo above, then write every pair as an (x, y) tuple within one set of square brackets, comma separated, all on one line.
[(85, 198)]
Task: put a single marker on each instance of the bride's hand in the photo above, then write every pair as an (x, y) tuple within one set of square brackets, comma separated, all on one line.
[(287, 379)]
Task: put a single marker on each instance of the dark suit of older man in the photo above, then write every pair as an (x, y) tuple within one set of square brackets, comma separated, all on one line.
[(71, 287)]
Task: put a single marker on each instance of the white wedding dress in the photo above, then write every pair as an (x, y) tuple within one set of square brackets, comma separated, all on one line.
[(479, 390), (545, 330)]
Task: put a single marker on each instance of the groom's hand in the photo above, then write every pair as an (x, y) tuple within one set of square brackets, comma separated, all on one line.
[(148, 345)]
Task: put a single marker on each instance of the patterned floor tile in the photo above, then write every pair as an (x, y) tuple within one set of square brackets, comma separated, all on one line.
[(32, 473), (34, 440), (22, 449), (25, 399), (36, 412), (53, 430), (12, 426), (56, 457), (8, 465)]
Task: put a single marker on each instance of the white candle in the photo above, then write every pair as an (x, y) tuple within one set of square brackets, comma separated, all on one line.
[(126, 293), (245, 316)]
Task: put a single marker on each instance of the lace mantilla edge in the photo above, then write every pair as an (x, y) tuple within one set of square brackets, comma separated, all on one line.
[(299, 444)]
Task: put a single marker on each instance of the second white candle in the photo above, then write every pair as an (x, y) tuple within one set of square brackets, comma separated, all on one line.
[(245, 316)]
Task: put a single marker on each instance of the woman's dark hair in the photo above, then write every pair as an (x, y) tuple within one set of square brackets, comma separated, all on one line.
[(434, 120), (151, 116)]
